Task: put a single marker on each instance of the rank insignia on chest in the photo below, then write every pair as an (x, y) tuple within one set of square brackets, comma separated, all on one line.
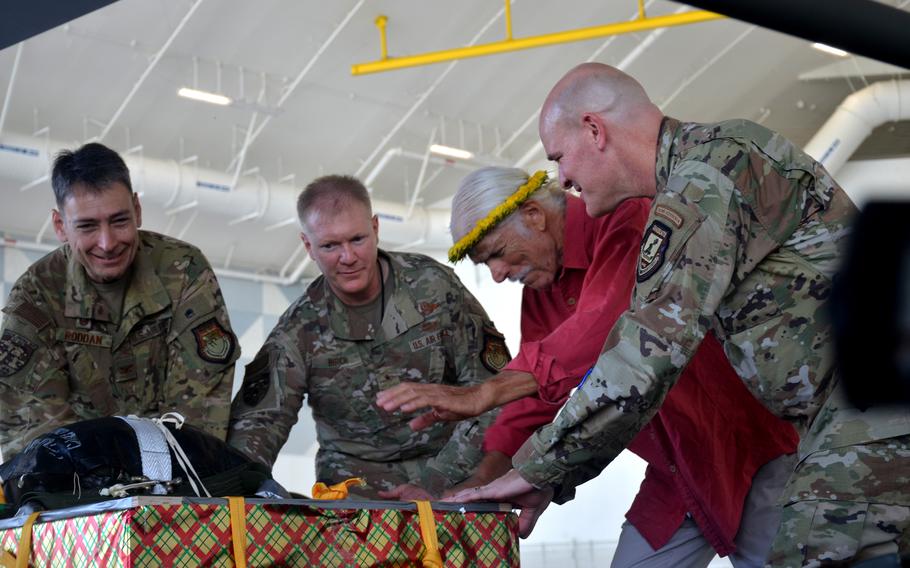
[(15, 351), (495, 355), (213, 343), (653, 250)]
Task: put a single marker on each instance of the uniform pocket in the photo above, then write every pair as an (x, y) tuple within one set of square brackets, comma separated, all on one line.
[(342, 394)]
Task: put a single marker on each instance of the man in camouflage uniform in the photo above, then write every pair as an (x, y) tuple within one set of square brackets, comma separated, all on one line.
[(117, 321), (372, 320), (743, 237)]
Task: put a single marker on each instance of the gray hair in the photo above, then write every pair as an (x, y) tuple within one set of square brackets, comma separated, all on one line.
[(483, 190)]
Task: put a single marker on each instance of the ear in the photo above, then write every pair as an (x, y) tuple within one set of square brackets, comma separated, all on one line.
[(533, 216), (595, 129), (307, 244), (57, 218), (138, 208), (375, 222)]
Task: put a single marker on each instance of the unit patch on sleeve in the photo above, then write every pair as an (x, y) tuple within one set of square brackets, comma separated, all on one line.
[(495, 355), (653, 250), (670, 215), (15, 351), (213, 343), (256, 381)]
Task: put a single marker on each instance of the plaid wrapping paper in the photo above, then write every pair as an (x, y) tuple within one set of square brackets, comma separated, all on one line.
[(184, 535)]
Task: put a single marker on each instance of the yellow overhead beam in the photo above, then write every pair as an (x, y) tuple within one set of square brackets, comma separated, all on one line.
[(637, 25)]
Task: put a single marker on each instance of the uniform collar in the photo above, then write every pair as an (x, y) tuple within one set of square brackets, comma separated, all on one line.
[(666, 150), (575, 244), (401, 311), (144, 291)]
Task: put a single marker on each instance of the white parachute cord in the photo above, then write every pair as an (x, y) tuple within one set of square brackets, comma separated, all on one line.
[(182, 460)]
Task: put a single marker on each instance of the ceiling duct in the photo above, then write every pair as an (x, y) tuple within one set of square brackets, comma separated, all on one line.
[(180, 186), (856, 118), (865, 180)]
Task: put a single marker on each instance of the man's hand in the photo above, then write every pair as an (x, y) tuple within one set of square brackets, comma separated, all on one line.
[(493, 464), (407, 492), (447, 403), (451, 404), (511, 488)]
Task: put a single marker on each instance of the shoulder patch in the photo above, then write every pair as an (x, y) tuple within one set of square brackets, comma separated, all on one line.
[(256, 381), (31, 314), (15, 352), (654, 245), (670, 215), (213, 343), (495, 355)]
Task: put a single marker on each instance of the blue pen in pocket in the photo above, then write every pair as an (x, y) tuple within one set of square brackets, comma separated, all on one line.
[(585, 378), (572, 392)]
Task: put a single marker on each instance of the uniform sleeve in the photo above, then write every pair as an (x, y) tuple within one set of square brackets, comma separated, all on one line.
[(686, 261), (202, 351), (479, 353), (566, 353), (516, 422), (34, 381), (274, 385), (559, 357)]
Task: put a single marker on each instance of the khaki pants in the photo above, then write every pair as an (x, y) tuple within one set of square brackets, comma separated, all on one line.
[(688, 547)]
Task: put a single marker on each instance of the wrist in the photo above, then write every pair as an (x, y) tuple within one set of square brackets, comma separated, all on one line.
[(512, 385), (487, 396)]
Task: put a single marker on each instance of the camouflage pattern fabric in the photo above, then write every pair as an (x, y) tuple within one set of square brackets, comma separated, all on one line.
[(831, 518), (62, 359), (840, 533), (743, 238), (434, 330)]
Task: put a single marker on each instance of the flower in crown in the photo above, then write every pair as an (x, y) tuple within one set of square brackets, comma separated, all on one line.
[(460, 249)]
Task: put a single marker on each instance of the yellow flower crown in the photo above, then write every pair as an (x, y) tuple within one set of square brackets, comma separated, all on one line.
[(494, 217)]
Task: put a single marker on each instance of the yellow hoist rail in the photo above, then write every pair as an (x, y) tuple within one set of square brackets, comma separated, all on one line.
[(643, 22)]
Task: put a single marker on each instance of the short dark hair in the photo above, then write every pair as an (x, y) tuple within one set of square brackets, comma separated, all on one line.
[(334, 191), (94, 166)]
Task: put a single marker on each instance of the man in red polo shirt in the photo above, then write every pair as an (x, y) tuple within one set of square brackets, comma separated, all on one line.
[(707, 446)]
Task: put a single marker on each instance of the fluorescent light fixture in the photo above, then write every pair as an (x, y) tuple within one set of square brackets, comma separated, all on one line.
[(829, 49), (204, 96), (451, 152)]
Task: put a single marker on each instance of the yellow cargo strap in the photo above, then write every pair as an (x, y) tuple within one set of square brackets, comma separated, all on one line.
[(20, 559), (431, 557), (238, 529), (325, 492)]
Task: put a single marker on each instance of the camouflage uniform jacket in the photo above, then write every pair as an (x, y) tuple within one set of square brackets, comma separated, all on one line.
[(743, 237), (62, 359), (434, 331)]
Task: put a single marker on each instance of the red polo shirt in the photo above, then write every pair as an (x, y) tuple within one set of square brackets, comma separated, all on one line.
[(710, 436)]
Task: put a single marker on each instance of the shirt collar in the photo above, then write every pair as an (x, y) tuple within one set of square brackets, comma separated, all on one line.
[(146, 291), (666, 150), (82, 300), (575, 249), (401, 311)]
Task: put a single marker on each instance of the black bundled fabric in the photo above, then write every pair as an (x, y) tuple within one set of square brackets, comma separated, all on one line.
[(74, 463)]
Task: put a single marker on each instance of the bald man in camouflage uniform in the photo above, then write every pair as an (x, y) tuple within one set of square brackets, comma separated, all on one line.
[(371, 321), (117, 321), (743, 237)]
